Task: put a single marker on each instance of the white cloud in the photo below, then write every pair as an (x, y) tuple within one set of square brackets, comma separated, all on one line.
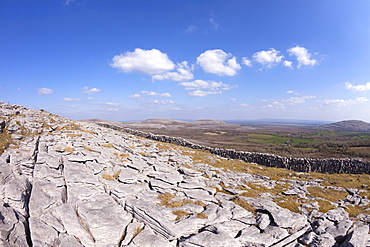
[(90, 98), (232, 99), (136, 96), (70, 99), (44, 91), (151, 93), (303, 56), (162, 102), (287, 63), (68, 2), (298, 100), (87, 90), (218, 62), (342, 102), (290, 91), (191, 28), (247, 62), (358, 88), (183, 73), (268, 58), (244, 105), (213, 23), (110, 104), (143, 61), (200, 93), (201, 84)]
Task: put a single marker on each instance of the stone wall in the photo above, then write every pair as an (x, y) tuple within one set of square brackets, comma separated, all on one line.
[(351, 166)]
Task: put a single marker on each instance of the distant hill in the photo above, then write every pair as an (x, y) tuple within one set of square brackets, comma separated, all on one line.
[(348, 125)]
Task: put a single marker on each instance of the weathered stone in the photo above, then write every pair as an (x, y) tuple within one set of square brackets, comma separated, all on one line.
[(41, 233), (106, 220), (131, 231), (281, 216), (263, 221), (209, 239), (358, 237), (251, 236), (148, 238)]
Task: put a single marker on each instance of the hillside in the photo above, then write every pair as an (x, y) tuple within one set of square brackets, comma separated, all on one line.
[(66, 183), (348, 125)]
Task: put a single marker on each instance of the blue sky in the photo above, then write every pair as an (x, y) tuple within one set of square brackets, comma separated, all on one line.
[(132, 60)]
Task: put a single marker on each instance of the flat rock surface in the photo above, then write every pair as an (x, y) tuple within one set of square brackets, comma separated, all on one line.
[(64, 183)]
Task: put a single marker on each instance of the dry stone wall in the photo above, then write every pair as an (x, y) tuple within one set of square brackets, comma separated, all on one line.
[(350, 166)]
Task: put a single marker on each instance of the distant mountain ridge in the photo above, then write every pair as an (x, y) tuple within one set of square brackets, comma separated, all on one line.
[(348, 125)]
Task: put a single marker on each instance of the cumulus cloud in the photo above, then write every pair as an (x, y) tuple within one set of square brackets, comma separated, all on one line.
[(287, 63), (183, 73), (213, 23), (143, 61), (44, 91), (88, 90), (358, 88), (298, 100), (247, 62), (342, 102), (218, 62), (191, 28), (201, 84), (162, 102), (110, 104), (151, 93), (136, 96), (303, 56), (70, 99), (200, 93), (268, 58)]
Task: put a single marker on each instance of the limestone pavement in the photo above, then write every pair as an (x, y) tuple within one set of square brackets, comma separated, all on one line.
[(66, 184)]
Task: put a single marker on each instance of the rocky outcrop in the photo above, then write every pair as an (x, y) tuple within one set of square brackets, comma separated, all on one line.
[(66, 184), (351, 166)]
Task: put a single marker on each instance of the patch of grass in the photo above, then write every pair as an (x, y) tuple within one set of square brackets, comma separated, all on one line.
[(290, 203), (165, 200), (327, 193), (107, 177), (88, 131), (202, 216), (5, 141), (69, 149), (88, 149), (180, 214), (353, 211), (108, 145), (112, 177), (138, 230), (74, 135), (244, 204)]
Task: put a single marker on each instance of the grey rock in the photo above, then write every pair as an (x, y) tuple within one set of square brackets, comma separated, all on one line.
[(132, 230), (263, 221), (148, 238), (251, 236), (323, 240), (281, 216), (358, 237), (41, 233), (336, 215), (105, 227), (209, 239), (66, 240)]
